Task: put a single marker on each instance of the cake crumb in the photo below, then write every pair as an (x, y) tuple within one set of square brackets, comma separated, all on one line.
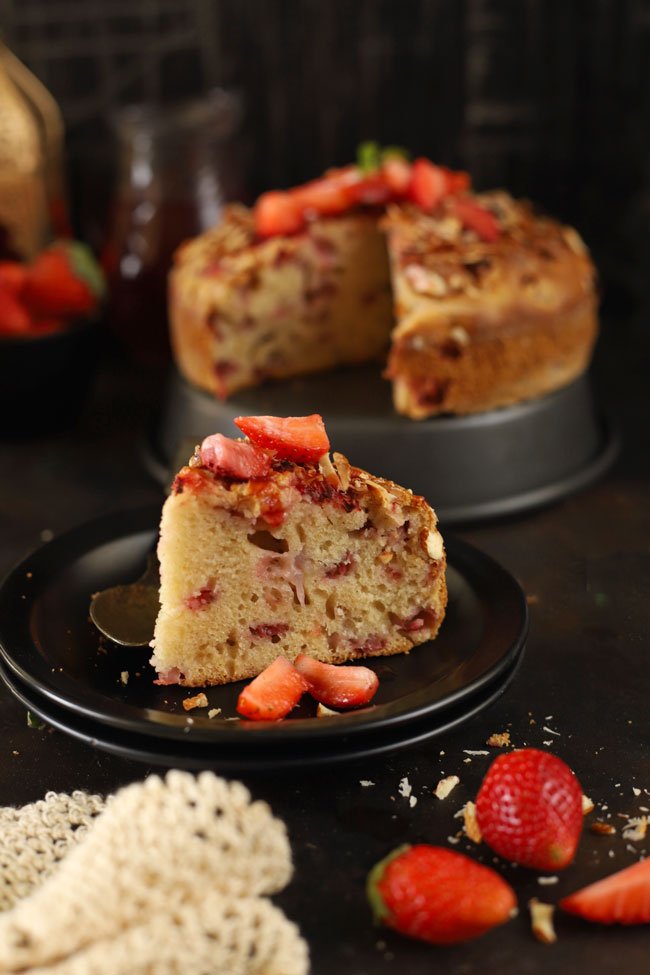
[(475, 751), (365, 783), (445, 786), (412, 801), (405, 788), (587, 805), (213, 712), (470, 822), (548, 743), (124, 677), (454, 840), (602, 829), (541, 917), (198, 701), (637, 792), (499, 739)]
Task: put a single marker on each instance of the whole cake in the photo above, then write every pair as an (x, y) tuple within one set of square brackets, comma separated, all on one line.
[(478, 301), (268, 548)]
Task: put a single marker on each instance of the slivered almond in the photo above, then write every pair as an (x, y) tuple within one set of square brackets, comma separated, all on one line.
[(328, 471), (541, 917), (434, 546), (342, 465), (323, 712), (602, 829), (445, 786), (587, 805)]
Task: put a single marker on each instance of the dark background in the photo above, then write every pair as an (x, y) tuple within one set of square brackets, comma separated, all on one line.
[(547, 97)]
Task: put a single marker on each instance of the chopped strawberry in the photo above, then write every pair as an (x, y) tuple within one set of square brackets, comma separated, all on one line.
[(529, 809), (396, 172), (622, 898), (234, 458), (14, 317), (64, 281), (13, 275), (337, 686), (477, 218), (273, 694), (457, 180), (278, 213), (438, 895), (428, 184), (327, 196), (299, 438)]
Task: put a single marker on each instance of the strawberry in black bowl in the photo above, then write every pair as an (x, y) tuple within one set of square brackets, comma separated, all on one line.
[(48, 325)]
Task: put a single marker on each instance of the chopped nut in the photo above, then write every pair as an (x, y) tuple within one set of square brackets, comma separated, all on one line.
[(198, 701), (499, 740), (541, 917), (342, 465), (445, 786), (195, 459), (587, 805), (470, 822), (602, 829), (323, 712), (213, 712), (328, 471), (405, 788), (434, 546), (636, 829)]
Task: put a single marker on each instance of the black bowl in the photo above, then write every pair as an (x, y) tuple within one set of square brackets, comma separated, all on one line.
[(44, 379)]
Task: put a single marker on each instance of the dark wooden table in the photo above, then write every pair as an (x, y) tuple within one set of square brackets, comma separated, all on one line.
[(585, 564)]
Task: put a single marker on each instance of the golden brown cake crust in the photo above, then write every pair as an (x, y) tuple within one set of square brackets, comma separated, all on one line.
[(486, 324)]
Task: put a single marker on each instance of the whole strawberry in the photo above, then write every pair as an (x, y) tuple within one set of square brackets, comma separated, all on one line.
[(529, 809), (438, 895), (63, 282)]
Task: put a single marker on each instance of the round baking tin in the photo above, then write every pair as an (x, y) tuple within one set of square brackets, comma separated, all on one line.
[(468, 467)]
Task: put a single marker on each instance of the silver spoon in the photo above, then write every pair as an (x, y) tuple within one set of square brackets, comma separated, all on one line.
[(127, 614)]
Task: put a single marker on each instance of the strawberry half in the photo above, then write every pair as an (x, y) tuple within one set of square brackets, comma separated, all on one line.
[(64, 281), (273, 693), (234, 458), (438, 895), (14, 317), (622, 898), (277, 213), (337, 686), (529, 809), (477, 218), (299, 438)]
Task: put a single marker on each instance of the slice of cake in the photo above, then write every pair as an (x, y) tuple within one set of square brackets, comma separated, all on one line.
[(268, 548), (494, 305)]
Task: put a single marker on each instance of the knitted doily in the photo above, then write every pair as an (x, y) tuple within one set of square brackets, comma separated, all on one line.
[(166, 878)]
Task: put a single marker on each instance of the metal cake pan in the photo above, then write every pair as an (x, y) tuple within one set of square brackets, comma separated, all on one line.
[(469, 468)]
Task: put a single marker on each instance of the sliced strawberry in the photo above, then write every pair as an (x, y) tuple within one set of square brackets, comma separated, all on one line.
[(622, 898), (273, 694), (276, 214), (428, 184), (299, 438), (326, 197), (337, 686), (478, 219), (64, 281), (396, 172), (14, 317), (13, 275), (438, 895), (234, 458)]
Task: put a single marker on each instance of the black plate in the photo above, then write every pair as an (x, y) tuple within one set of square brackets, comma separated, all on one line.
[(48, 642), (235, 760), (468, 467)]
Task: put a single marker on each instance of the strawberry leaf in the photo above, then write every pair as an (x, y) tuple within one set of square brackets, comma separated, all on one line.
[(85, 267), (379, 909)]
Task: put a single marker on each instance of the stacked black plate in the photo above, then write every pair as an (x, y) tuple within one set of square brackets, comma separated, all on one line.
[(54, 661)]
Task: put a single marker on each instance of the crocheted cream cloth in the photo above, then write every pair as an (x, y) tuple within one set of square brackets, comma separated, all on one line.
[(167, 877)]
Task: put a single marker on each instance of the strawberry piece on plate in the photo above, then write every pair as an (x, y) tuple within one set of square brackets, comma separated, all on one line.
[(234, 458), (428, 184), (477, 218), (273, 693), (278, 213), (14, 317), (299, 438), (438, 895), (622, 898), (529, 809), (337, 686), (64, 281)]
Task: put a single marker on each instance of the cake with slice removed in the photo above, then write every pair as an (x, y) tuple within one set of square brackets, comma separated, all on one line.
[(268, 548)]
